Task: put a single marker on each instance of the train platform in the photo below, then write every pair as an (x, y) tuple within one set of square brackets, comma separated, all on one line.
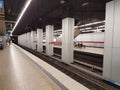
[(20, 70), (98, 51)]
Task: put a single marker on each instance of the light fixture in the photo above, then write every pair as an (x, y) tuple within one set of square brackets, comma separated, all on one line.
[(23, 11), (84, 4), (62, 1), (103, 26), (88, 28), (93, 23)]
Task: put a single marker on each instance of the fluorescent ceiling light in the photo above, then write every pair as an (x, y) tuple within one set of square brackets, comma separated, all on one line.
[(82, 29), (93, 23), (58, 30), (23, 11), (102, 26), (75, 27), (88, 28), (84, 4), (62, 1)]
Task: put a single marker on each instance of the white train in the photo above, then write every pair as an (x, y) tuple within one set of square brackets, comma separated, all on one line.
[(95, 39), (91, 39)]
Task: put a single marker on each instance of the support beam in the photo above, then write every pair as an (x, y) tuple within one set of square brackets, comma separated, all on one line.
[(33, 44), (39, 40), (111, 66), (28, 40), (67, 40), (25, 35), (49, 38)]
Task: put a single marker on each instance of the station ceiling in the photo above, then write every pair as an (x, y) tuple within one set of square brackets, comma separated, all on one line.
[(44, 12)]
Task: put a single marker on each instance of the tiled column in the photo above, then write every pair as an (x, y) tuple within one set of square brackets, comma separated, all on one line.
[(49, 38), (33, 45), (28, 40), (19, 39), (67, 39), (39, 40), (25, 39), (111, 66)]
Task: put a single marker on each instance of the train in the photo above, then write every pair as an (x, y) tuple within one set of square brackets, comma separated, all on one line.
[(95, 39)]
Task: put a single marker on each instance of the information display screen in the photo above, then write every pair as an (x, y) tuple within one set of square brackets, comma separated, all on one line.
[(1, 4)]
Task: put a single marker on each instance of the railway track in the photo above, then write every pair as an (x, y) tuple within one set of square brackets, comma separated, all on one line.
[(93, 59), (90, 81), (89, 61)]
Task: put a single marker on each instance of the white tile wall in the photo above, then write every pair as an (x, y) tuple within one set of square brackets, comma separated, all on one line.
[(116, 34), (109, 24), (115, 74), (107, 63)]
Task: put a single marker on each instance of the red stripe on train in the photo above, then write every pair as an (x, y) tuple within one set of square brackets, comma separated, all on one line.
[(60, 43)]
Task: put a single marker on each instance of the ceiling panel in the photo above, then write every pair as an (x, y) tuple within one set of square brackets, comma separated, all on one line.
[(43, 12)]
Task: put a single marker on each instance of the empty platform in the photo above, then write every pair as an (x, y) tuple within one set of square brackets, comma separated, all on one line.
[(17, 72), (99, 51), (20, 70)]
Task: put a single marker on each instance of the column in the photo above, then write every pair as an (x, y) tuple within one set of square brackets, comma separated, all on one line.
[(25, 39), (19, 39), (39, 40), (67, 40), (29, 40), (33, 44), (22, 39), (111, 66), (49, 38)]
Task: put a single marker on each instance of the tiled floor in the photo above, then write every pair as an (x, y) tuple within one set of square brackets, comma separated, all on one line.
[(17, 72), (64, 81)]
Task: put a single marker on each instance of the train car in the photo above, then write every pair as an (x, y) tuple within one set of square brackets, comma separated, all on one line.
[(95, 39)]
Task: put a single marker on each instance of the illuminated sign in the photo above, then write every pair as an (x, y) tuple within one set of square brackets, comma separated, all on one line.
[(1, 4)]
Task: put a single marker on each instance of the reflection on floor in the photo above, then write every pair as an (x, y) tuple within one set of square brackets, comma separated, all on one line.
[(17, 72)]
